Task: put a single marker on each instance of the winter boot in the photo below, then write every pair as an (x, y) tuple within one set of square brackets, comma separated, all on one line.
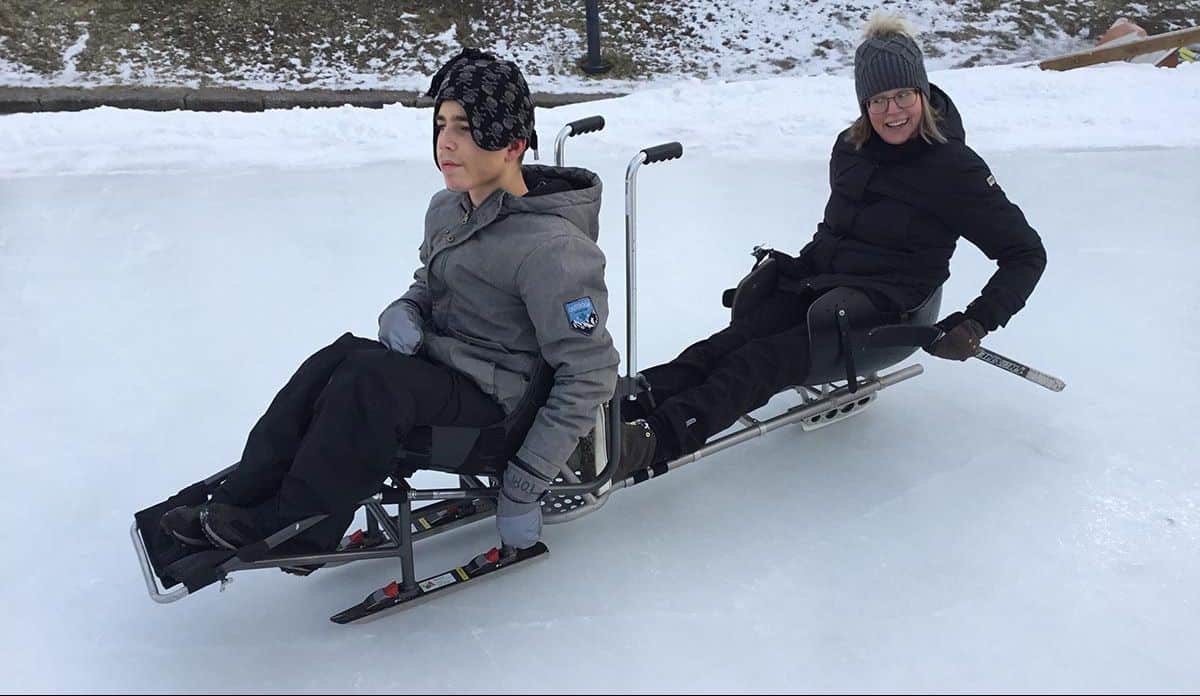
[(231, 527), (638, 449), (183, 523)]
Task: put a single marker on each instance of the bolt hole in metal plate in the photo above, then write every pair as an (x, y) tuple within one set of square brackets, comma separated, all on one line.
[(563, 503)]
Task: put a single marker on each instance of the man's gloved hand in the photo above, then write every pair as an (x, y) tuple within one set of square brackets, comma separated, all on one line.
[(519, 510), (400, 327), (960, 338)]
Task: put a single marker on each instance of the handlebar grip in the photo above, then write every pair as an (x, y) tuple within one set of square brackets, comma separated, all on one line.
[(586, 125), (664, 152)]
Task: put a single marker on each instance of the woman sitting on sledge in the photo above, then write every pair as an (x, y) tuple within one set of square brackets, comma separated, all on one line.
[(905, 187), (510, 276)]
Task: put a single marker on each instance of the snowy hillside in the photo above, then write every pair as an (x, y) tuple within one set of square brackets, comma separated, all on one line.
[(161, 275), (276, 44)]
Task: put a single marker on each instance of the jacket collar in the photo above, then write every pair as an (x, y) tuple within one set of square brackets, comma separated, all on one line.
[(485, 213)]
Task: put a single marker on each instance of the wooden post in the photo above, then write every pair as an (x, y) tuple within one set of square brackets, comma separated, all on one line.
[(1105, 54)]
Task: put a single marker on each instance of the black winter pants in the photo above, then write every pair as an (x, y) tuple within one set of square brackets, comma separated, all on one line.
[(329, 437), (736, 370)]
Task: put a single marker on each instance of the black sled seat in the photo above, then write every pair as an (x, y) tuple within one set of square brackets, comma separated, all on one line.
[(839, 323), (842, 326)]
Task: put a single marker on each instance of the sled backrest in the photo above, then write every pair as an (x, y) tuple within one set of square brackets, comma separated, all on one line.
[(837, 324)]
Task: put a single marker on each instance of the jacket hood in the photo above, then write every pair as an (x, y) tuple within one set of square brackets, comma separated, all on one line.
[(571, 193), (951, 123)]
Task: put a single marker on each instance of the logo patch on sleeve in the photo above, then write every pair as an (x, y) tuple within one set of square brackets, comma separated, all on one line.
[(991, 180), (581, 314)]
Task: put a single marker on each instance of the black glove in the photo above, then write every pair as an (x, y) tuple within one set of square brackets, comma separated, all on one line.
[(960, 337)]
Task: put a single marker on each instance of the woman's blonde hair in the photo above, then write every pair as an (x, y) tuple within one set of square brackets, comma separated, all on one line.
[(861, 129)]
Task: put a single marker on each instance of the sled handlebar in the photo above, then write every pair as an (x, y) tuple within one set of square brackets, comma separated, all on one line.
[(591, 124), (649, 155), (662, 153)]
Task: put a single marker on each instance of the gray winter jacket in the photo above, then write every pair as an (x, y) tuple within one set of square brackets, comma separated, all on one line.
[(516, 280)]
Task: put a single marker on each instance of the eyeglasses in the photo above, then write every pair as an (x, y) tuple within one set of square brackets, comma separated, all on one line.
[(904, 99)]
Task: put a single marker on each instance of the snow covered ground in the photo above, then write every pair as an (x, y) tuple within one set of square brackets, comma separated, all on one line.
[(162, 274), (781, 119)]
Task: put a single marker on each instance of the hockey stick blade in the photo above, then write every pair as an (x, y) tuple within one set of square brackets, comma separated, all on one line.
[(1040, 378)]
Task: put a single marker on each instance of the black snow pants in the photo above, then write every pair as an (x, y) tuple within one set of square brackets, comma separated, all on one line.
[(736, 370), (328, 439)]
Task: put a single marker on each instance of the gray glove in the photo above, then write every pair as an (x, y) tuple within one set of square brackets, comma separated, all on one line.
[(400, 327), (519, 510)]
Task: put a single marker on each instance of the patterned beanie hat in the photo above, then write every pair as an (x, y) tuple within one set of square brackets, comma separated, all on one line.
[(492, 92)]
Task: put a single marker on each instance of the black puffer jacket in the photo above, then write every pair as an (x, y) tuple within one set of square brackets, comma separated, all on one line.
[(895, 213)]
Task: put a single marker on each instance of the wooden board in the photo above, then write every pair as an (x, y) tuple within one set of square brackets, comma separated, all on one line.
[(1105, 54)]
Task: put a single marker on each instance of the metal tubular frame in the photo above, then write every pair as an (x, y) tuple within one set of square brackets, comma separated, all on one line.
[(631, 172), (837, 398)]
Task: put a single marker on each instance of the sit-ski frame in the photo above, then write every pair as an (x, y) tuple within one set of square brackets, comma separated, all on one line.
[(571, 496)]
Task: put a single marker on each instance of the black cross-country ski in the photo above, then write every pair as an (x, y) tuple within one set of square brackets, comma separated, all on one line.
[(393, 596)]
